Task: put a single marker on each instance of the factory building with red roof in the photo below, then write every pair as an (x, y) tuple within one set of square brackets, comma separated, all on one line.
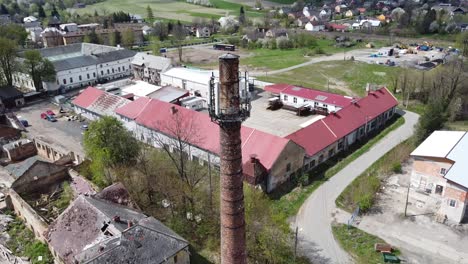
[(268, 160), (336, 132)]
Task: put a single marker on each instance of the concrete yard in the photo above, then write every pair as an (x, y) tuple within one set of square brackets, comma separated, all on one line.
[(279, 122), (420, 238), (68, 134)]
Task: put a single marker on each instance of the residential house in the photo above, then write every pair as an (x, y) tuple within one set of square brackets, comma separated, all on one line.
[(80, 65), (350, 13), (284, 10), (153, 121), (324, 14), (203, 32), (449, 9), (439, 170), (93, 103), (148, 67), (328, 136), (299, 96), (315, 26), (302, 21), (276, 33), (30, 19), (130, 88), (337, 27), (253, 35), (147, 30), (11, 97)]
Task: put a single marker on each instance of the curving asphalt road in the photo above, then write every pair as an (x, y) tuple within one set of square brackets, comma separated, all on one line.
[(314, 219)]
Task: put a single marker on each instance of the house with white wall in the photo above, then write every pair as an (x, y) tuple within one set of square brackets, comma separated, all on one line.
[(440, 170), (296, 96), (329, 136), (82, 64), (158, 123)]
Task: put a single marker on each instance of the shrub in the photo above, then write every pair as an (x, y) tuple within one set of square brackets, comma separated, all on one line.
[(396, 167), (284, 43)]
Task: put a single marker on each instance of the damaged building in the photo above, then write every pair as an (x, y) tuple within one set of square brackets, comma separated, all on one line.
[(92, 230)]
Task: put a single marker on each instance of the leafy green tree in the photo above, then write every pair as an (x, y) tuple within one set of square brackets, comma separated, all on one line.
[(128, 38), (14, 32), (3, 9), (155, 45), (41, 12), (114, 38), (149, 13), (54, 12), (91, 37), (242, 16), (7, 60), (433, 119), (161, 30), (109, 145), (38, 68)]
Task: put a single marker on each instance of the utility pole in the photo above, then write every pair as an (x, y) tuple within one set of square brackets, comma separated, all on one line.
[(211, 187), (295, 243), (407, 199)]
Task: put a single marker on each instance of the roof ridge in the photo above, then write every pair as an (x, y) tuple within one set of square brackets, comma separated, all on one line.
[(247, 140), (143, 108), (458, 141), (328, 127)]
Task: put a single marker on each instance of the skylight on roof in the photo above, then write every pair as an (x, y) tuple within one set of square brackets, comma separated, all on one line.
[(321, 97), (296, 88)]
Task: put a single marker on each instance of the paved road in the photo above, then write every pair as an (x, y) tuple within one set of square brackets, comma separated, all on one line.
[(314, 219), (333, 57)]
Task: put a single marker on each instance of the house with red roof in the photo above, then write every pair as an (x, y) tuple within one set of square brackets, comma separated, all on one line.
[(268, 160), (93, 103), (328, 136), (297, 96)]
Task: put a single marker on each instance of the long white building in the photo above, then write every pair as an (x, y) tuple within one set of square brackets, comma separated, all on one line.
[(80, 65)]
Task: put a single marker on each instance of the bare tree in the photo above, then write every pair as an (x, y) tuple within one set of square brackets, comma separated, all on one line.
[(179, 35), (177, 137)]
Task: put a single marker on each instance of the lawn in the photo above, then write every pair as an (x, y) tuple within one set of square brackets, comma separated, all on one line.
[(362, 190), (355, 75), (173, 10), (23, 243), (274, 59), (359, 244)]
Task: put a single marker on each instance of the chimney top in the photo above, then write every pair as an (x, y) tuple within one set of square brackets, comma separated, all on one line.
[(229, 56), (253, 158), (173, 110)]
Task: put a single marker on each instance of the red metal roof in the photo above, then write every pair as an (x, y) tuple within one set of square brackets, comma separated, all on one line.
[(326, 131), (203, 133), (87, 97), (337, 26), (311, 94), (133, 109)]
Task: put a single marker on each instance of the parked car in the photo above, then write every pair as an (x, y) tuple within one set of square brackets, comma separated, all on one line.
[(84, 127), (43, 115), (24, 122), (49, 112), (51, 118)]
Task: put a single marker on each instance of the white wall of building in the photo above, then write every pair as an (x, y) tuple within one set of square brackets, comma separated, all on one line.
[(299, 101)]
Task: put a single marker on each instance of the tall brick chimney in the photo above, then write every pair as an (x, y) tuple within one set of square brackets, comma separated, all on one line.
[(233, 249)]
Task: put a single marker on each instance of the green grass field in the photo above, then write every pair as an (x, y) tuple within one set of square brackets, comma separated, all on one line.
[(359, 244), (354, 74), (169, 9)]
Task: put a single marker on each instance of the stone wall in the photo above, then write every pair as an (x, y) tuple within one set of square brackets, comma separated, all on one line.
[(23, 210)]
